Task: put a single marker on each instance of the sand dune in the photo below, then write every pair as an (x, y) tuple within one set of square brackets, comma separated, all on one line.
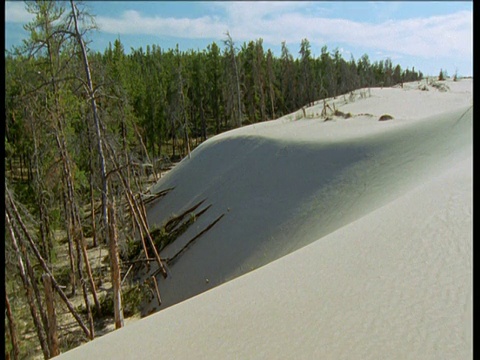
[(359, 233), (284, 184)]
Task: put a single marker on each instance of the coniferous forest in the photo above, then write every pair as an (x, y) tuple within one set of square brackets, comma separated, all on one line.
[(87, 133)]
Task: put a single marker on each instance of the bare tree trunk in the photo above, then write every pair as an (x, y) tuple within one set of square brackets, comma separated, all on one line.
[(12, 328), (115, 268), (99, 144), (12, 208), (82, 252), (92, 215), (76, 231), (84, 287), (103, 167), (52, 317), (75, 227), (71, 256), (141, 221), (33, 282), (93, 288), (28, 290), (39, 188), (157, 291), (137, 223), (139, 136), (96, 120), (92, 197)]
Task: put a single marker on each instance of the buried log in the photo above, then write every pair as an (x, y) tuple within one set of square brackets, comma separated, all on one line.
[(385, 117), (148, 198), (133, 262), (181, 227), (342, 114), (175, 257), (164, 235), (173, 222), (163, 238)]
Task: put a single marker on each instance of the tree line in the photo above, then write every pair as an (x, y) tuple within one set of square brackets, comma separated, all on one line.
[(84, 131), (177, 94)]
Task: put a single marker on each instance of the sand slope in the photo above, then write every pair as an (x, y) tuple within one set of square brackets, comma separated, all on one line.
[(395, 284), (365, 228), (284, 184)]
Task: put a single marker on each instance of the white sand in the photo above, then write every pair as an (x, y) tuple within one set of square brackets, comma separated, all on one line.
[(364, 228)]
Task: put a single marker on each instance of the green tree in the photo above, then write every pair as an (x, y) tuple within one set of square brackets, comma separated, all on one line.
[(442, 75), (307, 74), (288, 81), (234, 79), (214, 77), (271, 83)]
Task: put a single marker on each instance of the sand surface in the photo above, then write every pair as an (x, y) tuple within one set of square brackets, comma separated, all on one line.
[(345, 239)]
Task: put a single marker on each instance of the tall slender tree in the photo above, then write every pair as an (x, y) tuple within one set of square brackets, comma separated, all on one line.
[(231, 53), (305, 60)]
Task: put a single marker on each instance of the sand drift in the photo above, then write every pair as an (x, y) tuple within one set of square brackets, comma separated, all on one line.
[(350, 238)]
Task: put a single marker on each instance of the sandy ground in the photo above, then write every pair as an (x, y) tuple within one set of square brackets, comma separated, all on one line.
[(345, 239)]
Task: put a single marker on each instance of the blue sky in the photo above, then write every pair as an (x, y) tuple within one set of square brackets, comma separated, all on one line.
[(427, 35)]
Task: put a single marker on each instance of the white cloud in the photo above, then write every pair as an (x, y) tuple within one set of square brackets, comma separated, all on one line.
[(15, 12), (132, 22), (275, 22), (425, 37)]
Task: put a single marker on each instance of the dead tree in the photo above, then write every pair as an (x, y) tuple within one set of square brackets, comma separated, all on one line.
[(115, 266), (12, 328), (13, 213), (96, 121), (137, 213), (52, 317), (92, 197), (41, 200), (57, 114), (71, 254), (28, 289)]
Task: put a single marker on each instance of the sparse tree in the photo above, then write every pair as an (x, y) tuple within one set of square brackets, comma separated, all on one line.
[(442, 75)]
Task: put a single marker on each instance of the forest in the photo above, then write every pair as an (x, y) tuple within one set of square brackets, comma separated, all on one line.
[(87, 133)]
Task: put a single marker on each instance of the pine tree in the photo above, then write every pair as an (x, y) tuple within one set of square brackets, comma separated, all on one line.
[(235, 82)]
